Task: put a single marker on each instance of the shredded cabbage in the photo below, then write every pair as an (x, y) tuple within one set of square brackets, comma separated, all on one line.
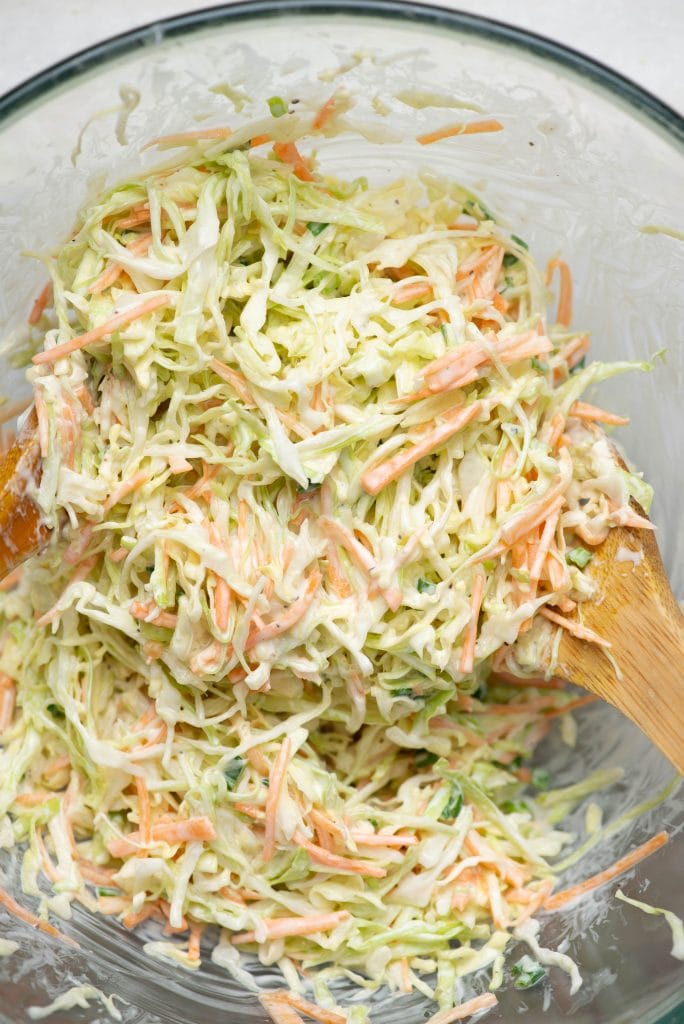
[(313, 486)]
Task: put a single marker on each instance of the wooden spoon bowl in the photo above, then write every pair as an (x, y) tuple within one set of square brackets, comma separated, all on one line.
[(22, 531)]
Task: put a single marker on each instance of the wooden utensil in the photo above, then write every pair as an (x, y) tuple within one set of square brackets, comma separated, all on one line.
[(636, 612), (634, 609), (22, 531)]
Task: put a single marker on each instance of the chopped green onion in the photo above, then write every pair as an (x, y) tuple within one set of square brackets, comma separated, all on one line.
[(520, 242), (453, 806), (538, 365), (55, 710), (425, 758), (316, 227), (232, 772), (527, 972), (578, 556), (541, 778), (425, 587), (277, 106), (509, 259), (515, 807)]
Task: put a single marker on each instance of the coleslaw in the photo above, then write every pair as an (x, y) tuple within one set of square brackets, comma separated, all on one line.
[(323, 490)]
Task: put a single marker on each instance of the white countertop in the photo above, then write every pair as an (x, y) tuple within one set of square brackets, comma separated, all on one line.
[(640, 40)]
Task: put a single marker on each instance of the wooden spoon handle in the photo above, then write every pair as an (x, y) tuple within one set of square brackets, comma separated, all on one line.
[(638, 614), (22, 531)]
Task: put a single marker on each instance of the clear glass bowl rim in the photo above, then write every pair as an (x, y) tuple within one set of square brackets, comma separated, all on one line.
[(661, 116)]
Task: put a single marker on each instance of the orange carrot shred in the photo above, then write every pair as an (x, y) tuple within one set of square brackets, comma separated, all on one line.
[(564, 314), (127, 316), (468, 654), (585, 411), (470, 128), (40, 304), (289, 154), (277, 779), (324, 114), (561, 899), (576, 628), (20, 912)]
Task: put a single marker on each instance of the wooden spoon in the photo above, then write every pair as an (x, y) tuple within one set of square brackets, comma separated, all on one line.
[(22, 531), (634, 610)]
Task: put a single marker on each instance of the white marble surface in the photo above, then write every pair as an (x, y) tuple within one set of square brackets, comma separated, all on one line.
[(641, 40)]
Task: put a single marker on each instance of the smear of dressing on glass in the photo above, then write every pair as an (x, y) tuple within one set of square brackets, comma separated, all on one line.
[(130, 98), (420, 100), (79, 995), (662, 229), (238, 97)]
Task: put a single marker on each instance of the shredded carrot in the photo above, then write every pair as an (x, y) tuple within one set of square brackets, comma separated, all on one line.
[(16, 910), (584, 411), (56, 766), (108, 277), (259, 140), (556, 428), (564, 314), (34, 798), (396, 840), (468, 653), (236, 380), (289, 154), (290, 617), (125, 488), (574, 352), (502, 678), (8, 693), (194, 941), (561, 899), (324, 114), (574, 705), (377, 478), (412, 290), (534, 900), (500, 303), (546, 539), (144, 816), (483, 1002), (278, 1009), (38, 308), (628, 517), (312, 1010), (134, 918), (276, 782), (406, 985), (187, 830), (337, 863), (127, 316), (180, 138), (95, 874), (581, 632), (284, 927), (150, 612), (470, 128), (360, 555)]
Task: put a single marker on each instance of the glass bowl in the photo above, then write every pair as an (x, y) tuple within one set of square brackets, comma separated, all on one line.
[(589, 166)]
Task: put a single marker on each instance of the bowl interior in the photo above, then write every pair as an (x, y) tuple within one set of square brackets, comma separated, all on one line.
[(582, 170)]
